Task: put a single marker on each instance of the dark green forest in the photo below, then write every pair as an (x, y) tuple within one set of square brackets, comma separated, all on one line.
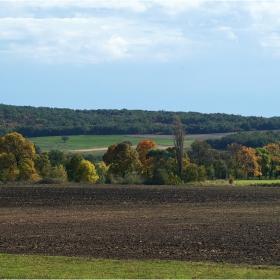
[(44, 121), (252, 140)]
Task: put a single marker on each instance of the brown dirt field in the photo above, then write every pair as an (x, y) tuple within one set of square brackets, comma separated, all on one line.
[(198, 223)]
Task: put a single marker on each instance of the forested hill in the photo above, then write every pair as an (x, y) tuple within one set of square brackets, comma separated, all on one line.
[(44, 121)]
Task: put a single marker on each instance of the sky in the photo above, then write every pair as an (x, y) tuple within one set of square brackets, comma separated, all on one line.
[(173, 55)]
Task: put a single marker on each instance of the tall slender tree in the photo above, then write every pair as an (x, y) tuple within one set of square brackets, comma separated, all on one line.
[(179, 135)]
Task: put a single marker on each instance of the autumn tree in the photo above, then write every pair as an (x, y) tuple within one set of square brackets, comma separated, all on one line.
[(101, 170), (16, 157), (86, 172), (58, 172), (250, 162), (108, 156), (179, 135), (8, 167), (142, 148), (121, 159)]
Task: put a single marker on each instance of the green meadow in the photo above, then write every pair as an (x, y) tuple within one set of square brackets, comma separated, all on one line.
[(257, 182), (57, 267), (86, 142)]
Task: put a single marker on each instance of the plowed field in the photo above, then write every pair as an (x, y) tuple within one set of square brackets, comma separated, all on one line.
[(229, 224)]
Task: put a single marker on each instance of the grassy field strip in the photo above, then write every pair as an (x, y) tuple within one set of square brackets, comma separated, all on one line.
[(95, 141), (256, 182), (39, 267)]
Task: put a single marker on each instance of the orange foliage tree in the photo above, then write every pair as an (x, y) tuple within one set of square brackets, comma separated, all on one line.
[(142, 148), (108, 156), (250, 161)]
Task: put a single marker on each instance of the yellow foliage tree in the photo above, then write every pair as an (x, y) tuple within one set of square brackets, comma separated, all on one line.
[(8, 167), (27, 169), (58, 172), (101, 170), (86, 172), (18, 154)]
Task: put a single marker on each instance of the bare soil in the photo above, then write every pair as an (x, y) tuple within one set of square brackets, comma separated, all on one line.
[(199, 223)]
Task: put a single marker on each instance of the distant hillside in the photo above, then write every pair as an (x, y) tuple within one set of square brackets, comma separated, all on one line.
[(44, 121)]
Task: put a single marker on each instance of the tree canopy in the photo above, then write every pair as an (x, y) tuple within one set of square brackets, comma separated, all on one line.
[(44, 121)]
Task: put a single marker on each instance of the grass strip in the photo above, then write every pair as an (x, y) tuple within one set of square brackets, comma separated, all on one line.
[(93, 141), (36, 266), (257, 182)]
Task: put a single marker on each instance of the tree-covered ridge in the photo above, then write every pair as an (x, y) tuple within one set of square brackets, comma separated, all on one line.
[(45, 121), (248, 139)]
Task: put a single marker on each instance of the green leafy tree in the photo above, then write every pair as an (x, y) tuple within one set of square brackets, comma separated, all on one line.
[(163, 167), (220, 168), (190, 172), (158, 159), (235, 158), (57, 157), (43, 165), (274, 152), (179, 135), (265, 161), (65, 138), (199, 153), (72, 167)]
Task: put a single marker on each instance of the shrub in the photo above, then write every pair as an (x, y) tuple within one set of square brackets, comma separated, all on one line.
[(160, 177), (131, 178)]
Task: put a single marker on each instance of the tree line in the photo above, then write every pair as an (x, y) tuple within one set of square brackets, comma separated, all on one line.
[(248, 139), (146, 164), (44, 121)]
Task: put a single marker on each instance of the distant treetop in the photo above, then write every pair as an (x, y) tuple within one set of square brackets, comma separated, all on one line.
[(44, 121)]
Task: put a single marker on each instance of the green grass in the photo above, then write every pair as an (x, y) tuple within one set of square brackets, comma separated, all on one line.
[(256, 182), (78, 142), (25, 266)]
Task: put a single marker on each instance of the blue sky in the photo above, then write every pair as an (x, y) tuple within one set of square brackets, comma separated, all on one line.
[(180, 55)]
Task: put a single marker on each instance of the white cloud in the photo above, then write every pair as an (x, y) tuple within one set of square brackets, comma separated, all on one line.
[(91, 31), (228, 33), (88, 40)]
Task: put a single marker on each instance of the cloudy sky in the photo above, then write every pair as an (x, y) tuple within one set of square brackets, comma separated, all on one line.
[(173, 55)]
